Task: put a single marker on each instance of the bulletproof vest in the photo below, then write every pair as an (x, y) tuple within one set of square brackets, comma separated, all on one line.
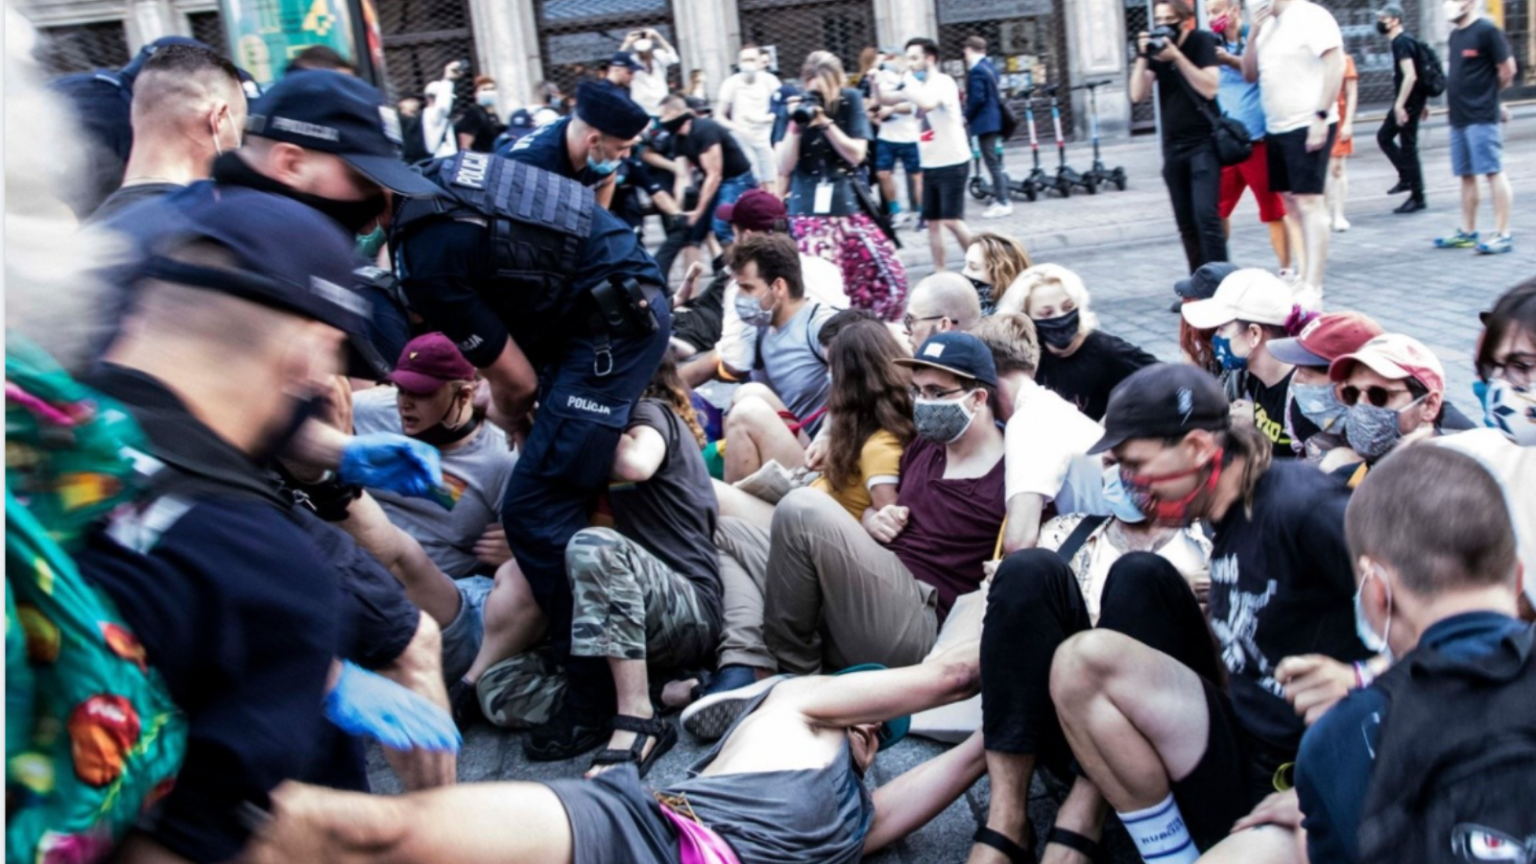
[(1455, 770), (538, 221)]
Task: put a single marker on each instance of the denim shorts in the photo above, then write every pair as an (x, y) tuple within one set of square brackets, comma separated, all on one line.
[(888, 153), (1477, 149), (462, 637)]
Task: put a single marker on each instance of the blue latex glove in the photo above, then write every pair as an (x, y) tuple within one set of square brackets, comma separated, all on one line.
[(363, 703), (394, 463)]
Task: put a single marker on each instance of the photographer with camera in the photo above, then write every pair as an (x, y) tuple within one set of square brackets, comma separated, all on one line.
[(831, 212), (649, 84), (1182, 61), (437, 114)]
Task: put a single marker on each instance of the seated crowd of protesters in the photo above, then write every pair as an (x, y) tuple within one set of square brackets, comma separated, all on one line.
[(1247, 602)]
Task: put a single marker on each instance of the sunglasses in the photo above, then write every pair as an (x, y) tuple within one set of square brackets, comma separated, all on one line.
[(1378, 396)]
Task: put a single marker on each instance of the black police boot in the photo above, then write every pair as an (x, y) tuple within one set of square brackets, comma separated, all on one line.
[(566, 735)]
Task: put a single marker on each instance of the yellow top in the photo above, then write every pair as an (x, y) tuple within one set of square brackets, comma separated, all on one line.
[(879, 462)]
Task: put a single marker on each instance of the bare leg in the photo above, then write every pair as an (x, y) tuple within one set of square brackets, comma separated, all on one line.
[(755, 433), (1226, 228), (1279, 238), (1469, 204), (1293, 244), (1008, 813), (513, 621), (936, 243), (1312, 210), (632, 685), (915, 191), (961, 231), (1337, 193), (1266, 844), (1503, 201), (1083, 812), (887, 188)]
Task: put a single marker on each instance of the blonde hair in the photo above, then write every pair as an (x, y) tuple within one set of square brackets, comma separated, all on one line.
[(1005, 258), (1010, 336), (1041, 275), (824, 70)]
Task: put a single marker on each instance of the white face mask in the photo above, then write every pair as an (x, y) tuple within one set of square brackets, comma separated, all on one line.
[(1454, 10), (1373, 642), (643, 45)]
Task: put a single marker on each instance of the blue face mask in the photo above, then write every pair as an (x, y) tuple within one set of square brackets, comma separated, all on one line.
[(1115, 497), (604, 168), (921, 75), (1318, 403), (1222, 347)]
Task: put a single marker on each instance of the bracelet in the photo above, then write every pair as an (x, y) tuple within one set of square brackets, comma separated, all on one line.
[(1363, 675)]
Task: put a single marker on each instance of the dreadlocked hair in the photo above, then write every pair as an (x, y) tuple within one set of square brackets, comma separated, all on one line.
[(667, 386)]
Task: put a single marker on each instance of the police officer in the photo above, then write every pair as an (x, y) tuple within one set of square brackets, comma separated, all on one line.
[(589, 145), (545, 293)]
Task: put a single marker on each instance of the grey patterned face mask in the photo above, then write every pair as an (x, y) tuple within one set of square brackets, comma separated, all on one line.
[(942, 420), (1373, 432)]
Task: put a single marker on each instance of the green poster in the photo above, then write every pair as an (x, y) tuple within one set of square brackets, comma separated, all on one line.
[(266, 34)]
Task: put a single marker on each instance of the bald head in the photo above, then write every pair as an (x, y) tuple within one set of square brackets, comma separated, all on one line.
[(188, 98), (942, 302)]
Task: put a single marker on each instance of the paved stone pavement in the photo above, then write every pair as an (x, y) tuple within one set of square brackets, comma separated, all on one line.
[(1125, 246)]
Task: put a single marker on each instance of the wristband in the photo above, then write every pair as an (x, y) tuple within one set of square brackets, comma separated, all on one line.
[(1363, 675)]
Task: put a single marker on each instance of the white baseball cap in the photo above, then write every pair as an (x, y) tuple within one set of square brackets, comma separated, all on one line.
[(1250, 294)]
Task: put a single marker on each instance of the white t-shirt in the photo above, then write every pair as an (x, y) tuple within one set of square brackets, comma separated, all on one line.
[(1044, 435), (942, 139), (1515, 469), (1187, 550), (1291, 70), (648, 88), (749, 103), (436, 122), (897, 128), (738, 342)]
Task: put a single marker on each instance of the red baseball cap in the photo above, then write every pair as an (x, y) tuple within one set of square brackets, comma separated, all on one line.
[(755, 210), (428, 362), (1395, 356), (1326, 339)]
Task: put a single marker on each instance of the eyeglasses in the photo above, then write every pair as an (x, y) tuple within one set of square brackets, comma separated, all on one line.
[(933, 392), (1518, 369), (907, 320), (1378, 396)]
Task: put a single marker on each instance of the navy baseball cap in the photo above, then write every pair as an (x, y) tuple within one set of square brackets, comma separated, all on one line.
[(1202, 284), (319, 109), (610, 111), (957, 353), (1164, 400), (290, 256), (626, 60)]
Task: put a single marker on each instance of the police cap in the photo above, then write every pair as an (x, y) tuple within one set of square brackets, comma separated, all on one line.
[(610, 111)]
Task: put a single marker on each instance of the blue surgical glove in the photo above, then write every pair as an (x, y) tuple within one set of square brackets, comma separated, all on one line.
[(394, 463), (363, 703)]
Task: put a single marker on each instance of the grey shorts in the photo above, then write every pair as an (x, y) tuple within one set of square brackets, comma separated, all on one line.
[(1477, 149), (461, 638)]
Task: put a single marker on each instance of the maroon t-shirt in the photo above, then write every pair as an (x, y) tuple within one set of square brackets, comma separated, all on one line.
[(953, 525)]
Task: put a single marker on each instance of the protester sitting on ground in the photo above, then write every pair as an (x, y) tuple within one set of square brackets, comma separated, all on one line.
[(1195, 345), (1443, 598), (787, 785), (870, 425), (1122, 572), (1250, 309), (941, 303), (992, 263), (432, 401), (1044, 432), (1080, 362), (1393, 393), (1313, 398), (1281, 586)]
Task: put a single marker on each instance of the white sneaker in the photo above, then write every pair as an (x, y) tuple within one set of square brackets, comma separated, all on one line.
[(899, 220), (1341, 224), (999, 210)]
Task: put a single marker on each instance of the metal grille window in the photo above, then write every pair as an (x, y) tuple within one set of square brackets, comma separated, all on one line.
[(578, 36), (208, 28), (421, 37), (1027, 40), (1138, 18), (82, 47), (791, 29), (1522, 43), (1371, 50)]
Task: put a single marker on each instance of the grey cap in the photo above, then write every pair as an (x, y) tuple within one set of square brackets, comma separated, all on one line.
[(1391, 10)]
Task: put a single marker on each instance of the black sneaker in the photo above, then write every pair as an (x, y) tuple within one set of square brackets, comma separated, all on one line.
[(1412, 205), (1401, 187), (464, 702), (566, 735)]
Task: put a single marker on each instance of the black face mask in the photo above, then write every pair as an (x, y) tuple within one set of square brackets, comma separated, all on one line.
[(440, 434), (1382, 28), (351, 215), (1058, 332), (676, 124)]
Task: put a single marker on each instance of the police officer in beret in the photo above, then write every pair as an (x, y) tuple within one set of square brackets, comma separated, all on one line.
[(554, 300), (589, 145)]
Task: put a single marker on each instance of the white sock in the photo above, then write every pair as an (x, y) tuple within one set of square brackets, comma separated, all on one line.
[(1160, 833)]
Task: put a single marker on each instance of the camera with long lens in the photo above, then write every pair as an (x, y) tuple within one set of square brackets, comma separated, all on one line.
[(811, 106), (1159, 38)]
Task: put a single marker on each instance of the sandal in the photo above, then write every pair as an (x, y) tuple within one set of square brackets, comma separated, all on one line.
[(662, 731), (1093, 849), (1015, 853)]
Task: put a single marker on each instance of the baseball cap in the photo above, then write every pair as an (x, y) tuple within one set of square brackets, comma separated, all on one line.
[(428, 362), (609, 110), (1393, 355), (319, 109), (755, 210), (626, 60), (1249, 294), (1325, 339), (957, 353), (892, 730), (1164, 400), (1391, 10), (1202, 284)]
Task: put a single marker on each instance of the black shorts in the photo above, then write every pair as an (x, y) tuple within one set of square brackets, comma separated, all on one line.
[(1292, 169), (944, 191), (1230, 779), (614, 820)]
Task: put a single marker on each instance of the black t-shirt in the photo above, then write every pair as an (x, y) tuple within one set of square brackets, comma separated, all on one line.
[(1472, 91), (1086, 378), (704, 133), (1404, 47), (477, 121), (673, 514), (1269, 406), (632, 176), (1281, 585), (128, 196), (820, 162), (1185, 121)]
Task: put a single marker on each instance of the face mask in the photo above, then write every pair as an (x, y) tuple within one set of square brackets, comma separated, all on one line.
[(1368, 637), (603, 168), (1372, 431), (1454, 10), (1318, 403), (921, 74), (1511, 410), (1219, 25), (1175, 512), (1058, 332), (752, 312), (440, 434), (486, 98), (942, 420), (303, 409), (368, 245), (1221, 346), (675, 125), (1118, 500), (352, 215), (1382, 28)]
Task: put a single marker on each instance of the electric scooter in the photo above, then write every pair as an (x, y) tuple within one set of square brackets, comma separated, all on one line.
[(1098, 174), (1066, 178), (1037, 181)]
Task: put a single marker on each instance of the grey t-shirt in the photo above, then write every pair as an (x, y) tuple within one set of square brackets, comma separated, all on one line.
[(791, 362), (476, 473)]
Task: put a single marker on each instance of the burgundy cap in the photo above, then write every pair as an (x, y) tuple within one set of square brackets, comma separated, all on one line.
[(428, 362), (1326, 339), (755, 210)]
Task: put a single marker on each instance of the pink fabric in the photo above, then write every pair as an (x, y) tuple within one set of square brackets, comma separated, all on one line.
[(37, 406), (872, 274), (697, 844)]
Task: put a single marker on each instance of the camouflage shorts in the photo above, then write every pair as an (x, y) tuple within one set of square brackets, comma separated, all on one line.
[(628, 604), (522, 691)]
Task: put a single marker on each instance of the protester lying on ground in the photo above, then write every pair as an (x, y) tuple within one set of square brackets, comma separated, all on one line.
[(1393, 393), (992, 263), (1080, 362), (940, 303), (787, 784), (1313, 398)]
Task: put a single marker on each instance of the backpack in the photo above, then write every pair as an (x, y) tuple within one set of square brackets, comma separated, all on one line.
[(1429, 68), (1455, 770)]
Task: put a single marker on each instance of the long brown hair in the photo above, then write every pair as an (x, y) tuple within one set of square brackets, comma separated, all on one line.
[(869, 394), (667, 386), (823, 71)]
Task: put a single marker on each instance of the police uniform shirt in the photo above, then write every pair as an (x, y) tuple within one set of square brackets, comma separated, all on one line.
[(545, 148), (632, 177)]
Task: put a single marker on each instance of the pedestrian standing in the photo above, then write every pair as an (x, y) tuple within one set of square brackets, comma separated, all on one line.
[(746, 109), (649, 85), (943, 147), (984, 114), (896, 141), (1481, 66), (1399, 133)]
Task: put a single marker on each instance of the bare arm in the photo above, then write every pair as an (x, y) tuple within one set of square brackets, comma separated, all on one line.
[(883, 495), (1023, 531), (419, 669), (874, 697), (1333, 77), (603, 194), (427, 586), (513, 385), (851, 149), (1205, 79), (1410, 77), (1141, 80), (639, 456), (712, 162), (920, 93), (789, 150), (912, 800), (1506, 73), (1251, 56)]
